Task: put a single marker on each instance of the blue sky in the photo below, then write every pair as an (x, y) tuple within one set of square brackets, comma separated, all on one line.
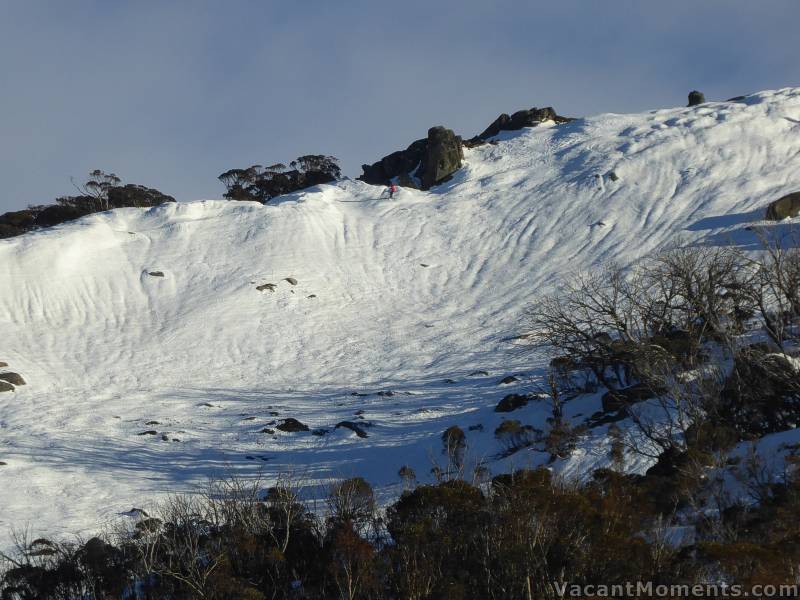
[(171, 93)]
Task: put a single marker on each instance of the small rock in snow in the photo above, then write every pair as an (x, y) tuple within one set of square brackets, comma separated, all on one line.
[(291, 425), (12, 378)]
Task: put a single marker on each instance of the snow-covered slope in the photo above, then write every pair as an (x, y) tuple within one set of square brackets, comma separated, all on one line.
[(412, 296)]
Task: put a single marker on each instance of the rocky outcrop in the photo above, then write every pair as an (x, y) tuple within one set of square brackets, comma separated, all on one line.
[(425, 163), (443, 155), (522, 118), (696, 98), (786, 207), (6, 387)]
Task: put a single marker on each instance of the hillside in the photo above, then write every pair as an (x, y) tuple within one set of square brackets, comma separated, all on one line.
[(418, 296)]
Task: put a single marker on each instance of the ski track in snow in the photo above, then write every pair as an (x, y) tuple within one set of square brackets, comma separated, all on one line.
[(106, 347)]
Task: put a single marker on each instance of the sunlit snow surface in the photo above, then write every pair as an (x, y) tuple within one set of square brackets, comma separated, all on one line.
[(106, 347)]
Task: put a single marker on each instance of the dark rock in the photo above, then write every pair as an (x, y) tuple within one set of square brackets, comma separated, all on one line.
[(501, 123), (387, 393), (249, 419), (355, 428), (291, 425), (3, 364), (291, 280), (402, 162), (443, 155), (423, 265), (507, 380), (511, 403), (619, 399), (148, 432), (428, 161), (12, 378), (521, 118), (136, 195), (696, 98), (266, 286), (267, 430), (478, 373), (612, 176), (152, 423), (164, 438), (156, 273), (6, 387), (311, 296), (787, 206)]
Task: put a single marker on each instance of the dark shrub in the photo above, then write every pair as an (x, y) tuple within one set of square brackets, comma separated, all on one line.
[(261, 184)]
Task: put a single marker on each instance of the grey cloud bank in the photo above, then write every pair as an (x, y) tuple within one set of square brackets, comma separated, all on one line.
[(170, 94)]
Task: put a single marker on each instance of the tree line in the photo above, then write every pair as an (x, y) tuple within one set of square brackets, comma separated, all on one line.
[(104, 191)]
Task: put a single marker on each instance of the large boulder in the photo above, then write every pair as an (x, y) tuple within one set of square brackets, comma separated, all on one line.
[(424, 163), (696, 98), (787, 206), (443, 156), (512, 402), (399, 164)]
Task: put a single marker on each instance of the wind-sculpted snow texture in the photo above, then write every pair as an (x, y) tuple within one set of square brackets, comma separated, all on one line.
[(137, 321)]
